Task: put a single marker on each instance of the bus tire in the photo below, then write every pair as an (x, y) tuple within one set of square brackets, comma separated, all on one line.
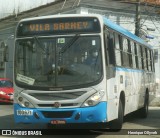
[(144, 110), (117, 123)]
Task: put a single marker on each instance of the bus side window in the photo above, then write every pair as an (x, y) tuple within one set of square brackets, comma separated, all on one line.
[(125, 52), (136, 55), (146, 55), (153, 62), (111, 48), (118, 51), (132, 44), (109, 53), (139, 55), (149, 60), (130, 54), (144, 58), (106, 34), (155, 55)]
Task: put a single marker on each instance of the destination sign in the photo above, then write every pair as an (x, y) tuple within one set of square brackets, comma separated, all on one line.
[(58, 26)]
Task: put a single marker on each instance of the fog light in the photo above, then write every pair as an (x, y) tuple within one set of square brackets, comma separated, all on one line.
[(26, 104), (20, 99)]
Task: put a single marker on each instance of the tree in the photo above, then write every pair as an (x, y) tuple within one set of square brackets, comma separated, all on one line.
[(153, 2)]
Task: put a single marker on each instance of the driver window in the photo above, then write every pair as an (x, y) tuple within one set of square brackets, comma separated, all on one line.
[(111, 48)]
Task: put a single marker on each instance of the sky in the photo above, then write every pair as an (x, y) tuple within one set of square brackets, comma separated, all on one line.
[(8, 7)]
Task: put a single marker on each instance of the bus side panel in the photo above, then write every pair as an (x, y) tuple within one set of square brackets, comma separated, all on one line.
[(132, 83), (112, 106)]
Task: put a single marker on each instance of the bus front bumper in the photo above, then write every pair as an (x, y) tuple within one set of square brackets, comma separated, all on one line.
[(94, 114)]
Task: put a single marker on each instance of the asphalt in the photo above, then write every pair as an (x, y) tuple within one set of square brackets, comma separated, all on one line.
[(156, 99)]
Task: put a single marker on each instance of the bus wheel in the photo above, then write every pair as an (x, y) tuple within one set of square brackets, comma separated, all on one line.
[(144, 110), (117, 123)]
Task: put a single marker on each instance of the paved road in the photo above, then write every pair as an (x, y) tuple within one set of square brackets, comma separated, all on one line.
[(131, 123)]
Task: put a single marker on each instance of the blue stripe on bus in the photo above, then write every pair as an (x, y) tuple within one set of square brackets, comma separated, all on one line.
[(127, 69), (93, 114)]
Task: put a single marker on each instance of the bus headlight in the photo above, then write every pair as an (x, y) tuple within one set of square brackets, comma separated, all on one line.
[(24, 102), (94, 99)]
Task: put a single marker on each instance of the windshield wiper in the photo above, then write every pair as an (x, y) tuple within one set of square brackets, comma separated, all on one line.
[(40, 44), (69, 44)]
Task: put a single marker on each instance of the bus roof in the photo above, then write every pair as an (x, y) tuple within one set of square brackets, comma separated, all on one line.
[(125, 32), (106, 21), (60, 16)]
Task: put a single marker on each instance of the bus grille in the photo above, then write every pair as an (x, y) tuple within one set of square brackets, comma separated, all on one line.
[(62, 105), (60, 114), (57, 96)]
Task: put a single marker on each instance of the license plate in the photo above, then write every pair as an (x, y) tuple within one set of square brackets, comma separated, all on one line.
[(54, 122), (25, 112)]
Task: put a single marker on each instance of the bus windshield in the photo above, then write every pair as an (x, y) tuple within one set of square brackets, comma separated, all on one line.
[(58, 62)]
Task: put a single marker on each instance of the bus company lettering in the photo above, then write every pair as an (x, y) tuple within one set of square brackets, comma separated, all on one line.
[(59, 26)]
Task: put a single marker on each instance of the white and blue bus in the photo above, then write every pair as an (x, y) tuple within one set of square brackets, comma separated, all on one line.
[(80, 69)]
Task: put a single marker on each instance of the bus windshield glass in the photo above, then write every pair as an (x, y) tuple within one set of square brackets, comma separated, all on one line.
[(58, 62)]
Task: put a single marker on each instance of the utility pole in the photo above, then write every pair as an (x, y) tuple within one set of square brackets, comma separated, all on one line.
[(137, 24)]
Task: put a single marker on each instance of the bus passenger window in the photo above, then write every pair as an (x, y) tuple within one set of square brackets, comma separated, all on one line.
[(132, 44), (136, 53), (144, 58), (130, 54), (146, 53), (152, 60), (125, 52), (149, 60), (139, 55), (155, 55), (117, 51)]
